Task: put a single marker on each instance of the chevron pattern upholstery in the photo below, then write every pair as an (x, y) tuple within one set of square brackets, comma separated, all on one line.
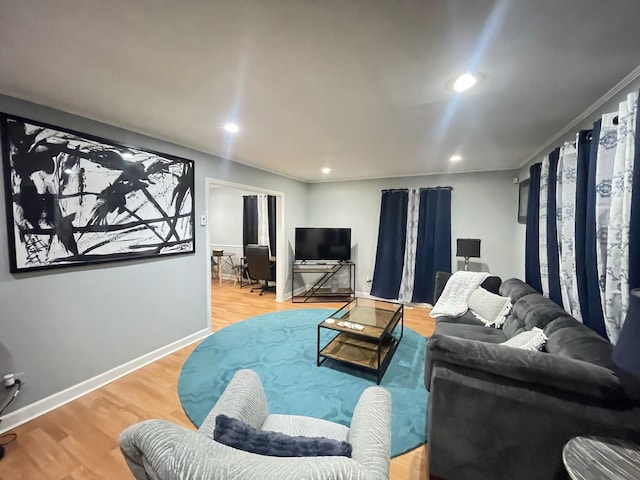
[(159, 450)]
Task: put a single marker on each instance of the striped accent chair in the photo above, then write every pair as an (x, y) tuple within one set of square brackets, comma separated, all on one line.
[(159, 450)]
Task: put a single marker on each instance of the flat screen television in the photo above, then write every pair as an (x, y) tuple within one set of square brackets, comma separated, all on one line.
[(323, 244)]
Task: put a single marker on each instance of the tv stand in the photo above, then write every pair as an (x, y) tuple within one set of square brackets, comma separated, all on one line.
[(323, 290)]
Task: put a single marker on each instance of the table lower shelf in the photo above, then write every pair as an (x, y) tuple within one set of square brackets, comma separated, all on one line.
[(349, 349)]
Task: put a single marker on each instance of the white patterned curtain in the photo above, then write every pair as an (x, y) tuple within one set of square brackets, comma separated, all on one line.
[(616, 289), (263, 220), (408, 270), (608, 219), (542, 227), (565, 218), (604, 172)]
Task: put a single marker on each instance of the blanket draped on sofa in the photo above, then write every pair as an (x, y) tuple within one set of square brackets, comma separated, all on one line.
[(454, 300)]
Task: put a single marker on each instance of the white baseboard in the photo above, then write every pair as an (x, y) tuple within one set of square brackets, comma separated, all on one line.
[(297, 291), (33, 410), (225, 276)]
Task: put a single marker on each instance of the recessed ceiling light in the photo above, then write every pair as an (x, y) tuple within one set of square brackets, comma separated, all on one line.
[(326, 170), (455, 158), (231, 127), (464, 82)]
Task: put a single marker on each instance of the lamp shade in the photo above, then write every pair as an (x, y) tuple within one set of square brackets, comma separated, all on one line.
[(468, 247), (626, 353)]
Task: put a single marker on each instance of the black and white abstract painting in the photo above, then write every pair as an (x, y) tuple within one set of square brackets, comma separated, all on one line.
[(74, 199)]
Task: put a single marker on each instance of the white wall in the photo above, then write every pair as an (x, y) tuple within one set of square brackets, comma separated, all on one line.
[(225, 221), (225, 215), (484, 205)]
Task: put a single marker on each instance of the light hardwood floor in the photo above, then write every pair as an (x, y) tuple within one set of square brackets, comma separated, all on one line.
[(80, 439)]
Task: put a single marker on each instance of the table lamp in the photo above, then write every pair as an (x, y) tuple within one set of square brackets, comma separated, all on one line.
[(626, 353), (468, 247)]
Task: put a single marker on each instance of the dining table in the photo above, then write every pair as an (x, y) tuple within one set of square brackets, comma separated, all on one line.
[(221, 258)]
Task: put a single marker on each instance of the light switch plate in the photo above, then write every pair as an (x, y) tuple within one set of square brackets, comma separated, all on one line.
[(203, 220)]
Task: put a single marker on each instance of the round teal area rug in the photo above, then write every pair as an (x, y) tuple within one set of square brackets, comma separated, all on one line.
[(281, 348)]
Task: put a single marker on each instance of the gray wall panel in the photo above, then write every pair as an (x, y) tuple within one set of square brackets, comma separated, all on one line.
[(62, 327)]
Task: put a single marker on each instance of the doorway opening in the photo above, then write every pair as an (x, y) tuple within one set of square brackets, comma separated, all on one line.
[(229, 237)]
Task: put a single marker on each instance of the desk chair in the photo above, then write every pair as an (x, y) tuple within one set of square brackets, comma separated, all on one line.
[(241, 274), (259, 267)]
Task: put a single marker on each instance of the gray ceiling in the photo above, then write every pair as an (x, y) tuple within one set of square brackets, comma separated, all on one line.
[(356, 85)]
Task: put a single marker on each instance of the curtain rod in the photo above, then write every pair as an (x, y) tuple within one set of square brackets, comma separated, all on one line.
[(588, 136), (419, 188)]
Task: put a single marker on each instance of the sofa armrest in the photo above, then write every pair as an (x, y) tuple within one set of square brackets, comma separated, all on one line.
[(441, 280), (243, 399), (535, 368), (486, 426), (370, 431)]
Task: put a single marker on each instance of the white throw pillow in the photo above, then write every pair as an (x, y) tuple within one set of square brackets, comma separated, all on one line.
[(492, 309), (533, 339)]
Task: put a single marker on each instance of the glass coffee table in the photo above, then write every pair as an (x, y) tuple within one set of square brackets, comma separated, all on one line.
[(366, 335)]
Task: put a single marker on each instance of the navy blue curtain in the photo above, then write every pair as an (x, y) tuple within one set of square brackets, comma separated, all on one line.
[(392, 235), (433, 250), (249, 220), (532, 252), (634, 225), (553, 257), (580, 244), (593, 314)]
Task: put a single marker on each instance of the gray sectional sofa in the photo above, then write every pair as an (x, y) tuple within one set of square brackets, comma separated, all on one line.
[(497, 412)]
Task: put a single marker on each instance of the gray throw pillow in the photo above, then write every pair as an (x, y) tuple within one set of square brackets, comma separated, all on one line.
[(237, 434)]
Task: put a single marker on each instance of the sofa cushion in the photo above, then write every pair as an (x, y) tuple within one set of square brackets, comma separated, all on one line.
[(471, 332), (468, 318), (237, 434), (532, 310), (515, 289), (570, 338), (537, 311), (513, 326)]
